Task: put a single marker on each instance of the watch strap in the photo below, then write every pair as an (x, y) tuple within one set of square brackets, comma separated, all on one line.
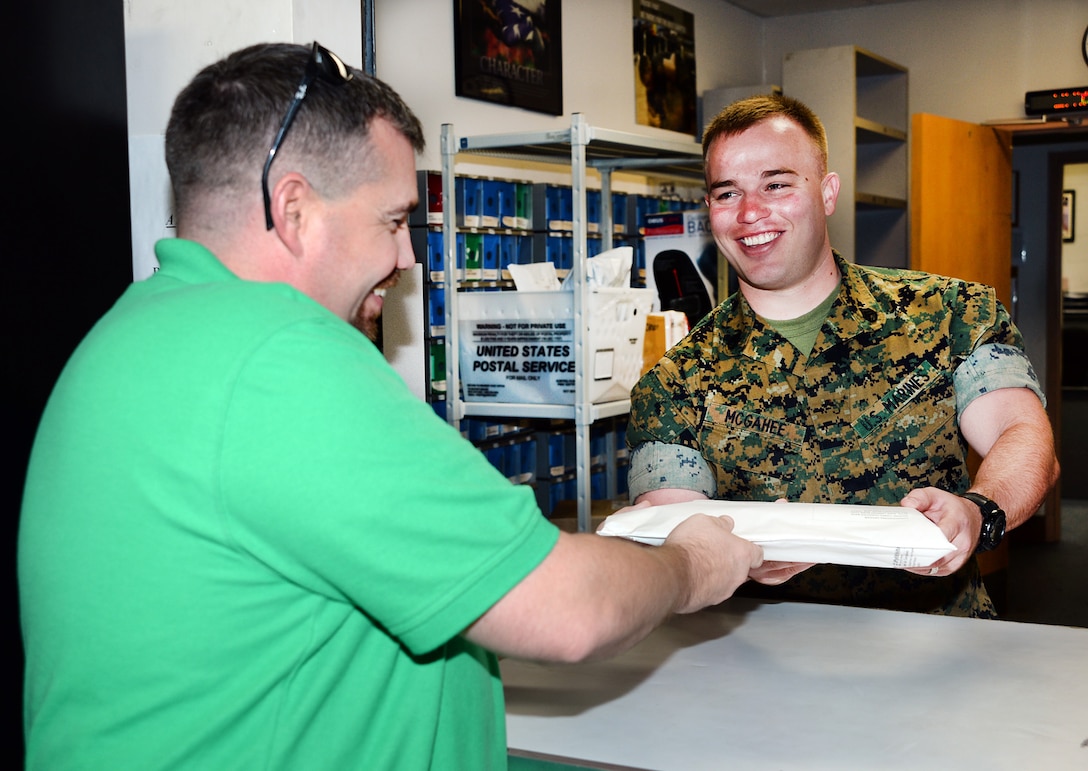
[(993, 521), (985, 505)]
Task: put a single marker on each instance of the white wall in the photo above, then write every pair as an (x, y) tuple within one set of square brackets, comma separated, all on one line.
[(166, 43), (972, 60), (969, 59), (598, 80)]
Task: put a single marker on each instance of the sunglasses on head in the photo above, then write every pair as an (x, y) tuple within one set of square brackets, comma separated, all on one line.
[(323, 64)]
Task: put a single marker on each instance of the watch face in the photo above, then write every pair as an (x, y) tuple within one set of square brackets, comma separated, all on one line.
[(1084, 45), (993, 529), (993, 522)]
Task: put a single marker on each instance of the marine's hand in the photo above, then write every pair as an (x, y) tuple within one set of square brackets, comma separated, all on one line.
[(717, 560), (774, 573), (959, 520), (642, 505)]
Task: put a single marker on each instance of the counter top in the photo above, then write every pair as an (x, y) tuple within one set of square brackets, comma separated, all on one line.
[(753, 685)]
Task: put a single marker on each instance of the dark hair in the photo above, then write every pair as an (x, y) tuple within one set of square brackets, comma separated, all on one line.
[(223, 123), (745, 113)]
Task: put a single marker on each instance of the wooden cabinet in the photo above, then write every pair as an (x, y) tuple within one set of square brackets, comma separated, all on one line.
[(946, 156), (961, 193), (861, 98)]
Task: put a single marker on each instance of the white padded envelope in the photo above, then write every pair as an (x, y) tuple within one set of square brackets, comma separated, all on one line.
[(842, 534)]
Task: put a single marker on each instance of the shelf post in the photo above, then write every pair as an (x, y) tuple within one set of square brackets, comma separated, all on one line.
[(607, 226), (454, 408), (579, 138)]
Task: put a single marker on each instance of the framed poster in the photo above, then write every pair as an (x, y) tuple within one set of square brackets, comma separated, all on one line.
[(1069, 216), (664, 57), (510, 52)]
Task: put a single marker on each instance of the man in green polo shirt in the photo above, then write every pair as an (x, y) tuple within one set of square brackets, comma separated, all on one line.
[(244, 543)]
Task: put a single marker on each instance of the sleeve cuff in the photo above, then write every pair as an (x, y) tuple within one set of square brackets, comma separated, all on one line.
[(659, 466), (991, 367)]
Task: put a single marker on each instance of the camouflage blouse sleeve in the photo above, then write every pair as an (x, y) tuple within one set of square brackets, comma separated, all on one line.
[(988, 348)]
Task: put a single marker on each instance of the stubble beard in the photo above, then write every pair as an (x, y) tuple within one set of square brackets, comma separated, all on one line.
[(370, 323)]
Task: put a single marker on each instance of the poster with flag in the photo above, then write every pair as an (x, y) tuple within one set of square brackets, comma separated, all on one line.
[(510, 52)]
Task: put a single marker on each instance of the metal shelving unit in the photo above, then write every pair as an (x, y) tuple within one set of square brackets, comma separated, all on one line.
[(581, 147)]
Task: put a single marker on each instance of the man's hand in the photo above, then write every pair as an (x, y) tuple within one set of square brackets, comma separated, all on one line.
[(959, 520), (594, 596), (717, 560)]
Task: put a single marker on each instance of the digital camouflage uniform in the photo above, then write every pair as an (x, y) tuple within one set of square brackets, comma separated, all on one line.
[(870, 414)]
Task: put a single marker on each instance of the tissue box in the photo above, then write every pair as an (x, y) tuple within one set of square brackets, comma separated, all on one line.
[(518, 346)]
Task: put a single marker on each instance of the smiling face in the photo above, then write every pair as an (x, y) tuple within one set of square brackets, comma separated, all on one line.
[(769, 199), (365, 241)]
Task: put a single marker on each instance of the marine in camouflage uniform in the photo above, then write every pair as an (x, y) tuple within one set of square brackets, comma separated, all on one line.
[(736, 412)]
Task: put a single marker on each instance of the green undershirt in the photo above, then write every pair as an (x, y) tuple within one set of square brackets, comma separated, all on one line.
[(803, 330)]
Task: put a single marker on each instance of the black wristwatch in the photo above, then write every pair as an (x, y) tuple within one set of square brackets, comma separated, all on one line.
[(993, 521)]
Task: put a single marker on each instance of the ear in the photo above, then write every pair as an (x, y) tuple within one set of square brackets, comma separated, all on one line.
[(829, 189), (292, 197)]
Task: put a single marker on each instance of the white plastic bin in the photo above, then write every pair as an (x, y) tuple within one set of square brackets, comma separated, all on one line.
[(519, 346)]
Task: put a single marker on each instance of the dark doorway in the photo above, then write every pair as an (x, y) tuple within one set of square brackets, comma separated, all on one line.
[(68, 245), (1038, 164)]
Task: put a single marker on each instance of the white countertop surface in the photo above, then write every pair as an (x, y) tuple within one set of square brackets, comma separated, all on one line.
[(755, 685)]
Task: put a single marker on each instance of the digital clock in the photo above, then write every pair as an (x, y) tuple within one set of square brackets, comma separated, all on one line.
[(1056, 101)]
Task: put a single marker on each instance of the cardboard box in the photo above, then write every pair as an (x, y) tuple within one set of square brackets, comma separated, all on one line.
[(519, 346), (663, 331)]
